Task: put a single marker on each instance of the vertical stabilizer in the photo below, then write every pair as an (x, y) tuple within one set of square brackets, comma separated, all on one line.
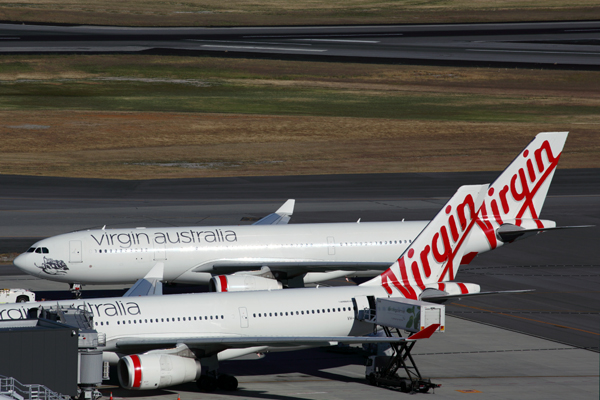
[(435, 254), (517, 196)]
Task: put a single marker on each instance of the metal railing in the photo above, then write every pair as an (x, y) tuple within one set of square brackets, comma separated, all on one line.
[(13, 388)]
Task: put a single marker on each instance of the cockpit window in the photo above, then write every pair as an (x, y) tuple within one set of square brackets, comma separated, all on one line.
[(38, 250), (31, 250), (45, 250)]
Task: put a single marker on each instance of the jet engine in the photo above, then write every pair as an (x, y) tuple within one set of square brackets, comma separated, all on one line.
[(242, 283), (155, 371)]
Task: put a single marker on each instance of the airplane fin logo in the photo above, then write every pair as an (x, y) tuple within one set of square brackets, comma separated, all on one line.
[(435, 255), (518, 194)]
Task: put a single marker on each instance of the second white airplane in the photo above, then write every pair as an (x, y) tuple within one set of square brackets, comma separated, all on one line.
[(272, 254)]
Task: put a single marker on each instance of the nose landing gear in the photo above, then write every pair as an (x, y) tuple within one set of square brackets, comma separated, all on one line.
[(76, 289)]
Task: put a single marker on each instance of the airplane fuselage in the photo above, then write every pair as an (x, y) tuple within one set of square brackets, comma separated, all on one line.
[(194, 254), (294, 313)]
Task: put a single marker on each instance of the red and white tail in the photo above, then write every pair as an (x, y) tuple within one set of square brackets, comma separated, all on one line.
[(434, 256), (517, 196)]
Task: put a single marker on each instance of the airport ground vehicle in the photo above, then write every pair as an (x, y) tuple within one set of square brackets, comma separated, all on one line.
[(16, 296)]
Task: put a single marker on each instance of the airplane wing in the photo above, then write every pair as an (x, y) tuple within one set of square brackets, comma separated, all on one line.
[(220, 342), (280, 217), (304, 265), (149, 285)]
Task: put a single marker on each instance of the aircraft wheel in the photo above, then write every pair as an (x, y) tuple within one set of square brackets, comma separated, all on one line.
[(227, 382), (207, 383), (371, 379)]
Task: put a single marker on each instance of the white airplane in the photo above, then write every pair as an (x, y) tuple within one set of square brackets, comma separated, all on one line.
[(168, 340), (271, 253)]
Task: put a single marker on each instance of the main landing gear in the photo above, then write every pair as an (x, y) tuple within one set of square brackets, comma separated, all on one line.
[(211, 379), (208, 383)]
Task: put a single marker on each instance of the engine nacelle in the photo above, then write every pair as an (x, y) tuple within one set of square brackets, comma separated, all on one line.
[(155, 371), (242, 283)]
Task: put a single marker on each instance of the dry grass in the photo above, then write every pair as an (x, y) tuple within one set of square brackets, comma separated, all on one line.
[(97, 140), (134, 145), (300, 12)]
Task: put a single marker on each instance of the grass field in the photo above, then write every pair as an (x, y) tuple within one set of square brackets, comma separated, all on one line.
[(299, 12), (152, 117)]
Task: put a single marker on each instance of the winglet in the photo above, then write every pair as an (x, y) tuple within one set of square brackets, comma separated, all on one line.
[(149, 285), (279, 217), (425, 333)]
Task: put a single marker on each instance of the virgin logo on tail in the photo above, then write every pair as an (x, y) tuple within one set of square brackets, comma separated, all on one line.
[(433, 255), (517, 191)]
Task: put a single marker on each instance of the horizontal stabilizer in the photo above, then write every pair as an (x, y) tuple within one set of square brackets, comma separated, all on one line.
[(149, 285), (280, 217), (441, 298), (510, 233)]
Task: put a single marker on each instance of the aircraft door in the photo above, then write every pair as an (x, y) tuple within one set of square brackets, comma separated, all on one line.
[(160, 251), (75, 251), (243, 317), (330, 245)]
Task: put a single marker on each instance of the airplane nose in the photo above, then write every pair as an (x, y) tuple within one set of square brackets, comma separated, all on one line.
[(21, 262)]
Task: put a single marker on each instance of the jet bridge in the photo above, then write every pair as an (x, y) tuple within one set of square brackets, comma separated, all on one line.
[(90, 366), (54, 347), (394, 315)]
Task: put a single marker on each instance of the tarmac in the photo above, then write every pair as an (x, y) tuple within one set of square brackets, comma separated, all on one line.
[(542, 345)]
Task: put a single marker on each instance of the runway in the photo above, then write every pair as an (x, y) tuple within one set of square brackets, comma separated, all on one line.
[(549, 44)]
